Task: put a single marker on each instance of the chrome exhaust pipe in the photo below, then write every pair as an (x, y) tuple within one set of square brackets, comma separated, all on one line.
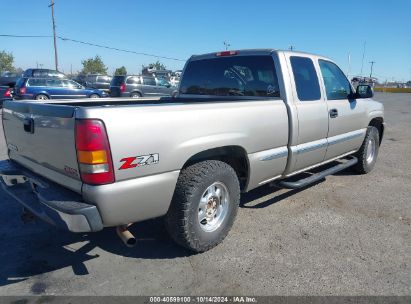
[(126, 236)]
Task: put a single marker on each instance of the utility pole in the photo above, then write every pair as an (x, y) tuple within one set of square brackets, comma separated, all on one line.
[(291, 47), (54, 36), (372, 64), (227, 45), (363, 55)]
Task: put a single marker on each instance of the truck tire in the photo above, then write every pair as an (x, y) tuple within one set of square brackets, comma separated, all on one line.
[(367, 155), (204, 205)]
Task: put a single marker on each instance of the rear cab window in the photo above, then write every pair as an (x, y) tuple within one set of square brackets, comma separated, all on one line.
[(246, 76), (306, 79)]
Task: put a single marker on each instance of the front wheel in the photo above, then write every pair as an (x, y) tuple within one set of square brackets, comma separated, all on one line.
[(94, 96), (204, 205), (367, 155)]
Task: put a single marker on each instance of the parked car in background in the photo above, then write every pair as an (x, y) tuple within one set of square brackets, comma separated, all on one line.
[(81, 79), (44, 73), (136, 86), (52, 88), (9, 79), (98, 81), (178, 73), (5, 94), (174, 81)]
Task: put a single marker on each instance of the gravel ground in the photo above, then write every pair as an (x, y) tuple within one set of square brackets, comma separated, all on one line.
[(349, 235)]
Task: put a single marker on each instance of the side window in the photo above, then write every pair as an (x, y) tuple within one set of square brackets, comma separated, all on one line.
[(69, 84), (36, 82), (103, 79), (149, 81), (54, 83), (336, 84), (133, 80), (305, 77), (163, 83)]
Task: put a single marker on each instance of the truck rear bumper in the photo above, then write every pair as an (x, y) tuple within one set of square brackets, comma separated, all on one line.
[(48, 201)]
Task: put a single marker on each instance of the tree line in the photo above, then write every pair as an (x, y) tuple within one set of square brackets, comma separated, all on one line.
[(93, 65)]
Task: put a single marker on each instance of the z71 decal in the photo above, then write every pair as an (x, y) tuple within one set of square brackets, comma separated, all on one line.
[(138, 161)]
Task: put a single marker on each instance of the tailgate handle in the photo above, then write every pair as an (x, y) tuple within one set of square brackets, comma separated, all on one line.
[(29, 125)]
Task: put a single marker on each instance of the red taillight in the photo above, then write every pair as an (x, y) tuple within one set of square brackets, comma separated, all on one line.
[(7, 93), (123, 88), (93, 152), (226, 53), (23, 90)]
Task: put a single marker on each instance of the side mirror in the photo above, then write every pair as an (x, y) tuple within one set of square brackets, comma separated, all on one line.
[(364, 91)]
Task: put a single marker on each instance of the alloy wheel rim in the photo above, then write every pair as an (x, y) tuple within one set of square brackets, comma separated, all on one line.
[(213, 207), (370, 151)]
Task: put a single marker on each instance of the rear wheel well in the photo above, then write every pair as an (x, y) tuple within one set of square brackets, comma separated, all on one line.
[(234, 156), (378, 124), (42, 93), (136, 92)]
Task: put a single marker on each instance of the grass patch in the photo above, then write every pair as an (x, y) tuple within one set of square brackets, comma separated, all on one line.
[(393, 90)]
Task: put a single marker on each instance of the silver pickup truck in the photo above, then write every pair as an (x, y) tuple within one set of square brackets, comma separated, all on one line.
[(242, 119)]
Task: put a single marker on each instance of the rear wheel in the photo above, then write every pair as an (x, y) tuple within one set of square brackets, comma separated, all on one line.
[(204, 205), (135, 95), (367, 155), (42, 97)]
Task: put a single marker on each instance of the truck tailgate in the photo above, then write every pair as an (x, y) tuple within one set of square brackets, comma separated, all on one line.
[(41, 138)]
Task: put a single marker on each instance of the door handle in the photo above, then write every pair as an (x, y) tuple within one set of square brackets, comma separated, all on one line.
[(333, 113)]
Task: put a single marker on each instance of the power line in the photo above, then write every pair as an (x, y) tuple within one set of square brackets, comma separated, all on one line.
[(118, 49), (93, 44), (26, 36)]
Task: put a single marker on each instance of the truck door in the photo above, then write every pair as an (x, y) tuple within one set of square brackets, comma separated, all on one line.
[(347, 116), (309, 145)]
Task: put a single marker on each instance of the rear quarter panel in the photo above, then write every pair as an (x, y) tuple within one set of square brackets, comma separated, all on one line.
[(177, 132)]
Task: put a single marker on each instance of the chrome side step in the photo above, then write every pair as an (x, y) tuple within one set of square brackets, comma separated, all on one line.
[(318, 176)]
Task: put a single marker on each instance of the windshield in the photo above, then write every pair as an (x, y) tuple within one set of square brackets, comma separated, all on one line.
[(231, 76)]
